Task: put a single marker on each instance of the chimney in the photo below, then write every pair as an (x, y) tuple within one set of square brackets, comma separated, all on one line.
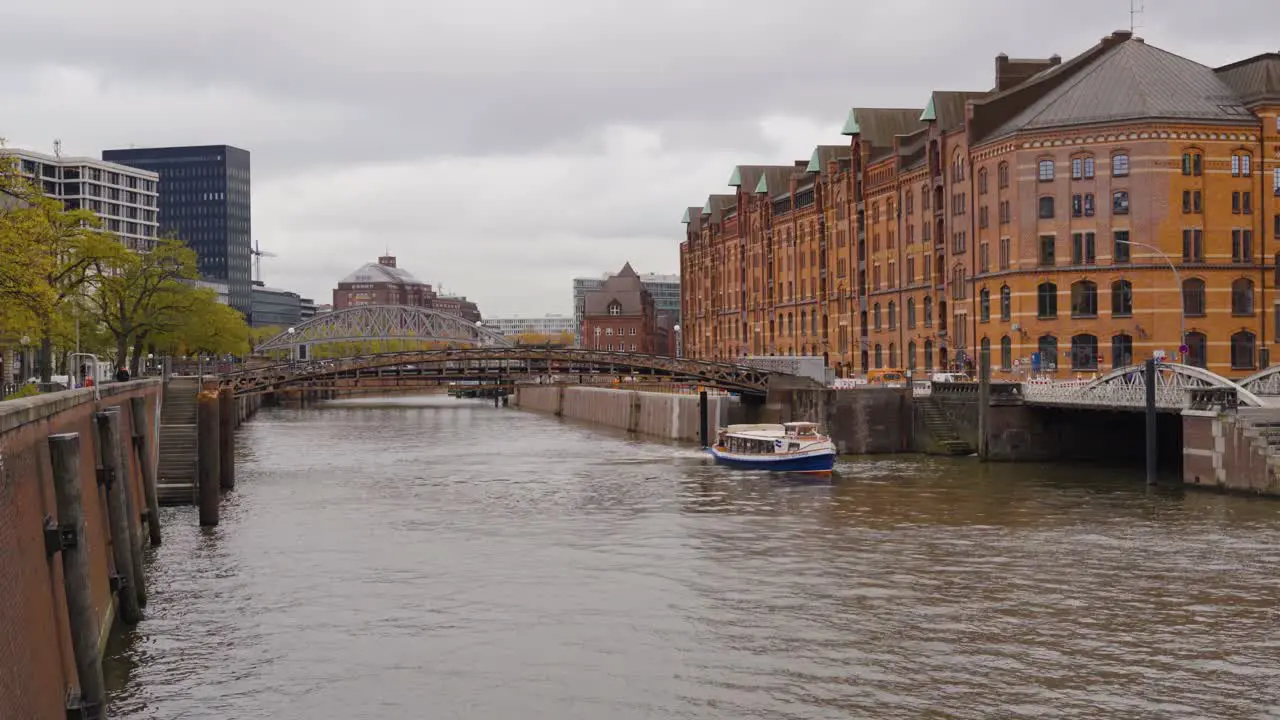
[(387, 260)]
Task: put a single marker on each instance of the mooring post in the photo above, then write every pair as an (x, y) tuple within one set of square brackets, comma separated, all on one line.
[(138, 413), (208, 454), (702, 417), (984, 403), (1152, 433), (227, 438), (119, 518), (64, 456)]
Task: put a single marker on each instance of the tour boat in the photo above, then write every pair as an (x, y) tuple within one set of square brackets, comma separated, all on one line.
[(791, 447)]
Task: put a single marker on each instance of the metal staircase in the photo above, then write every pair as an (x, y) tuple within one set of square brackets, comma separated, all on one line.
[(941, 428)]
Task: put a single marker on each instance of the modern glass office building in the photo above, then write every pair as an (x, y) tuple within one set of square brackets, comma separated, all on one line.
[(204, 200)]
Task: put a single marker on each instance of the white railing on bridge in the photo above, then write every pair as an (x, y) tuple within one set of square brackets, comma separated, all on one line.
[(1127, 395)]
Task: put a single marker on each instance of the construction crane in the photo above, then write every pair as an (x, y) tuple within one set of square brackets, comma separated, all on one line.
[(258, 253)]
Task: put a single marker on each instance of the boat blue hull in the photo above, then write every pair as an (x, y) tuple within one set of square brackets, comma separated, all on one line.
[(814, 463)]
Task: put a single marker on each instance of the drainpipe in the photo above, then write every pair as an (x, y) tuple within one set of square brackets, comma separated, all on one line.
[(1264, 352)]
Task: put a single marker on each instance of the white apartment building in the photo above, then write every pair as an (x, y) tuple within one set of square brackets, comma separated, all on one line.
[(125, 198), (544, 325)]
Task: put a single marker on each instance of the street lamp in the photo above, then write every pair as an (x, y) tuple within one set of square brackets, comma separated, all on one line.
[(679, 349), (1182, 302)]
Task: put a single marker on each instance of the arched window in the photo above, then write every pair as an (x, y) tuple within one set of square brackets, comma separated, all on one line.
[(1243, 351), (1119, 165), (984, 305), (1121, 350), (893, 318), (924, 197), (1197, 349), (803, 317), (1002, 175), (984, 353), (791, 324), (1193, 297), (1193, 162), (909, 201), (911, 355), (1082, 167), (1046, 207), (1046, 300), (893, 355), (911, 313), (1048, 349), (982, 181), (1241, 164), (928, 355), (813, 324), (1084, 352), (879, 356), (1242, 296), (1084, 299), (1006, 303), (1121, 298), (876, 317), (928, 311), (1006, 353)]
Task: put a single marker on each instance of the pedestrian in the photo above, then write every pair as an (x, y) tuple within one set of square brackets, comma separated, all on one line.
[(122, 375)]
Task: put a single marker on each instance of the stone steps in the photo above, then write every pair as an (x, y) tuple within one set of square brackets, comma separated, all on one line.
[(176, 474), (943, 431)]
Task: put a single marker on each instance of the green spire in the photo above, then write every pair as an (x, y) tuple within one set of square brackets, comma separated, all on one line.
[(815, 163), (851, 125), (735, 180), (928, 115), (706, 209), (763, 185), (686, 216)]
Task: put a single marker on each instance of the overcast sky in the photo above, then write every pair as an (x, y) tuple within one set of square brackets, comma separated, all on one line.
[(502, 148)]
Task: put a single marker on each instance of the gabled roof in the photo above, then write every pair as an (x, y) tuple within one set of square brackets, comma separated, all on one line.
[(775, 179), (1254, 79), (691, 214), (824, 154), (1127, 80), (877, 126), (746, 176), (716, 206), (946, 107)]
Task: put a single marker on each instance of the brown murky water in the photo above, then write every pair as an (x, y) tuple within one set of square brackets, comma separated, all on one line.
[(443, 559)]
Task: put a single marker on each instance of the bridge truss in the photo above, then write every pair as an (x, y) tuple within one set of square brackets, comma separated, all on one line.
[(506, 363), (1126, 388), (365, 323)]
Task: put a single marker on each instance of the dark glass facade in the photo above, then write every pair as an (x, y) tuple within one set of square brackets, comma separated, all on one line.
[(204, 200)]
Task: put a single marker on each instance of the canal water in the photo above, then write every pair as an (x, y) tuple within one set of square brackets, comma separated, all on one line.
[(437, 558)]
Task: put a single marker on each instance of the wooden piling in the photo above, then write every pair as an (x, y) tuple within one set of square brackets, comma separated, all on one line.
[(208, 453), (1152, 439), (703, 420), (116, 478), (64, 456), (984, 403), (227, 438), (141, 428)]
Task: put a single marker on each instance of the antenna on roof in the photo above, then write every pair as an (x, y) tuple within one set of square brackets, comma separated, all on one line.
[(57, 148), (1136, 8)]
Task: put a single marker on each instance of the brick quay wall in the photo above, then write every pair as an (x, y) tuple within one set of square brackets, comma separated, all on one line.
[(36, 636)]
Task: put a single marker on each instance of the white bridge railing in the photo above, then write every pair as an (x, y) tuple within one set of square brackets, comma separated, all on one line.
[(1115, 394)]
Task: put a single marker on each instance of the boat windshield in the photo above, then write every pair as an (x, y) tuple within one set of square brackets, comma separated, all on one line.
[(802, 429)]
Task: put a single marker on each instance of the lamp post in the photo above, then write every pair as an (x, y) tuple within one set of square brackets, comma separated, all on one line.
[(679, 349), (1182, 303), (293, 351)]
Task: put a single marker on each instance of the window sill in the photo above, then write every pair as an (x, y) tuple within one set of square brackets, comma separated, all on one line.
[(1046, 317), (1075, 316), (1121, 315), (1244, 315)]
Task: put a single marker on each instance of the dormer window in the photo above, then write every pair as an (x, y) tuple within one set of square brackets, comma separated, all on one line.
[(615, 308)]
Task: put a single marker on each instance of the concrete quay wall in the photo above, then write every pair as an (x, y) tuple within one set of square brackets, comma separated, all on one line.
[(664, 415), (39, 668)]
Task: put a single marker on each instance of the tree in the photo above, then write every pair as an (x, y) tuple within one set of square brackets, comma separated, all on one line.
[(208, 328), (139, 295), (48, 254)]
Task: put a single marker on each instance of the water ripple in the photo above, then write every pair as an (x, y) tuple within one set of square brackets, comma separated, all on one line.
[(444, 559)]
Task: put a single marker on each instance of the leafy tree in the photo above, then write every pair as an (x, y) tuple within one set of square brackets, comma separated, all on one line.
[(47, 255), (208, 327), (139, 295)]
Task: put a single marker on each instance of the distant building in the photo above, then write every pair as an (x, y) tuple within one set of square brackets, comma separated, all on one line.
[(382, 283), (307, 308), (275, 307), (548, 326), (665, 290), (204, 200), (125, 198), (217, 286), (621, 316)]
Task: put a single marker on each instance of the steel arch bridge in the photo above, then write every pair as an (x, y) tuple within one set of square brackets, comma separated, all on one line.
[(493, 363), (1263, 382), (364, 323), (1126, 389)]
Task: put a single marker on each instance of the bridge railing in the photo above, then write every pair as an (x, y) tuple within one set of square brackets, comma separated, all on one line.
[(1105, 395)]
